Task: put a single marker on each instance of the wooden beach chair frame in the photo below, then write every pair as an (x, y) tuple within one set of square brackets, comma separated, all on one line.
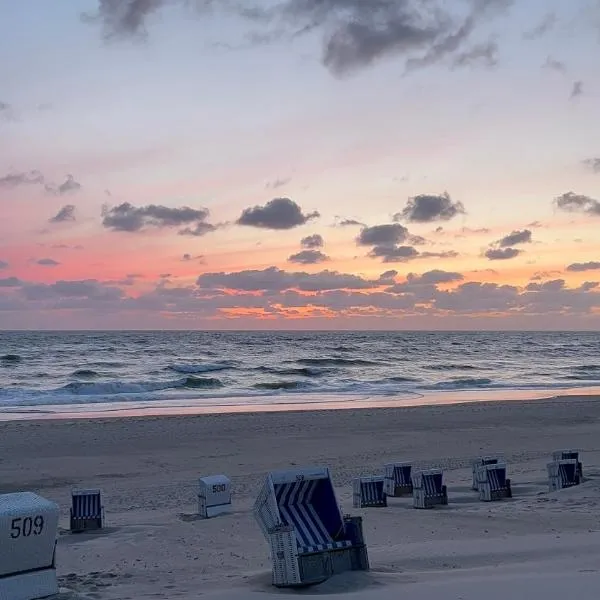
[(563, 474), (569, 455), (492, 482), (368, 492), (309, 536), (480, 462), (87, 511), (397, 479), (428, 489)]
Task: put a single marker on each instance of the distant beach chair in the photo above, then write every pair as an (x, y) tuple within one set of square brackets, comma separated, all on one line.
[(87, 512), (492, 482), (397, 479), (29, 526), (214, 496), (368, 492), (569, 455), (563, 474), (309, 537), (480, 462), (428, 489)]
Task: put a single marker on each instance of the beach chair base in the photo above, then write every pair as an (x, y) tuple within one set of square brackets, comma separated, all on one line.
[(82, 524), (420, 500), (30, 585), (397, 491), (487, 494), (207, 512)]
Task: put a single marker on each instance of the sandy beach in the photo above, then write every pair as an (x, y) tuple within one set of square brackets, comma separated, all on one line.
[(154, 546)]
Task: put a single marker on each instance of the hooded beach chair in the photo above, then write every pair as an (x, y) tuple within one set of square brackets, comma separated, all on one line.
[(87, 512), (492, 482), (481, 461), (214, 496), (569, 454), (309, 537), (563, 474), (428, 489), (397, 480), (29, 529), (368, 492)]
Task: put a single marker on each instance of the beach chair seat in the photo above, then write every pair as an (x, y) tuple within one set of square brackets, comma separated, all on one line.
[(368, 492), (563, 474), (569, 454), (480, 462), (87, 512), (397, 480), (309, 537), (428, 489), (214, 496), (493, 483)]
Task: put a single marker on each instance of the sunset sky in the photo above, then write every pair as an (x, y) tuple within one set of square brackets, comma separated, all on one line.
[(294, 164)]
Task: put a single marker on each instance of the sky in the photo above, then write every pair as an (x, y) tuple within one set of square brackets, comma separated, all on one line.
[(299, 164)]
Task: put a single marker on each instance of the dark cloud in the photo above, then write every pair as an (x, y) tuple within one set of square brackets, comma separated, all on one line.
[(593, 164), (388, 277), (382, 235), (484, 54), (572, 202), (10, 282), (576, 90), (308, 257), (394, 253), (434, 277), (312, 241), (555, 65), (66, 213), (3, 265), (279, 213), (4, 106), (501, 253), (592, 265), (514, 238), (13, 180), (68, 186), (350, 223), (542, 28), (277, 183), (126, 217), (186, 257), (47, 262), (427, 208)]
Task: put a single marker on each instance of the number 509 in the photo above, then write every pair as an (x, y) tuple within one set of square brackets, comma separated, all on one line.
[(25, 526)]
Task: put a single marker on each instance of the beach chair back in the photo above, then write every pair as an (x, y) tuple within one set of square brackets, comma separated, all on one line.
[(86, 510), (492, 482), (397, 479), (214, 496), (569, 455), (563, 474), (368, 492), (428, 488), (480, 462)]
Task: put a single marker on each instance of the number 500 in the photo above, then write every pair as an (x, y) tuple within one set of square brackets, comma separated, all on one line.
[(25, 526)]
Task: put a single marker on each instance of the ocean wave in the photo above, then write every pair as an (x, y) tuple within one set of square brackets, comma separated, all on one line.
[(202, 382), (337, 362), (114, 388), (199, 367), (459, 383), (301, 371), (84, 373), (452, 367), (400, 379), (280, 385), (11, 358)]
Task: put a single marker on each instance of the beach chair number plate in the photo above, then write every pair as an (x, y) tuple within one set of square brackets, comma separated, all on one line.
[(220, 487), (299, 477), (25, 526)]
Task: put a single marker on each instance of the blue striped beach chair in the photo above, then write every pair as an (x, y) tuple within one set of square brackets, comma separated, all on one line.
[(397, 479), (492, 482), (428, 489), (368, 492), (569, 455), (480, 462), (563, 474), (87, 512), (309, 537)]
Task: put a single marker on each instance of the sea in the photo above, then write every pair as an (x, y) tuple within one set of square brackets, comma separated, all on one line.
[(43, 369)]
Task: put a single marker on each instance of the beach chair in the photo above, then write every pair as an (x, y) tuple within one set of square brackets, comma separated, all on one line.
[(428, 490), (569, 454), (214, 496), (87, 512), (29, 529), (481, 461), (397, 480), (368, 492), (492, 482), (563, 474), (309, 537)]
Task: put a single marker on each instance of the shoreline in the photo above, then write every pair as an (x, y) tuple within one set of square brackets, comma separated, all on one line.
[(287, 403)]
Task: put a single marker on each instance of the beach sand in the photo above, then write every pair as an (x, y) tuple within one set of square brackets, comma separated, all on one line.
[(539, 544)]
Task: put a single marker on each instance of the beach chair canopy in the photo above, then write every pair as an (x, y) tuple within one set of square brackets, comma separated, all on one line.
[(305, 500), (430, 480)]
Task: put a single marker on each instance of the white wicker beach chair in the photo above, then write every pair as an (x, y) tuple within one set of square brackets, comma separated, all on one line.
[(309, 537), (563, 474), (492, 482), (87, 512), (28, 529), (428, 489), (397, 479), (479, 462), (569, 454), (214, 496), (368, 492)]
